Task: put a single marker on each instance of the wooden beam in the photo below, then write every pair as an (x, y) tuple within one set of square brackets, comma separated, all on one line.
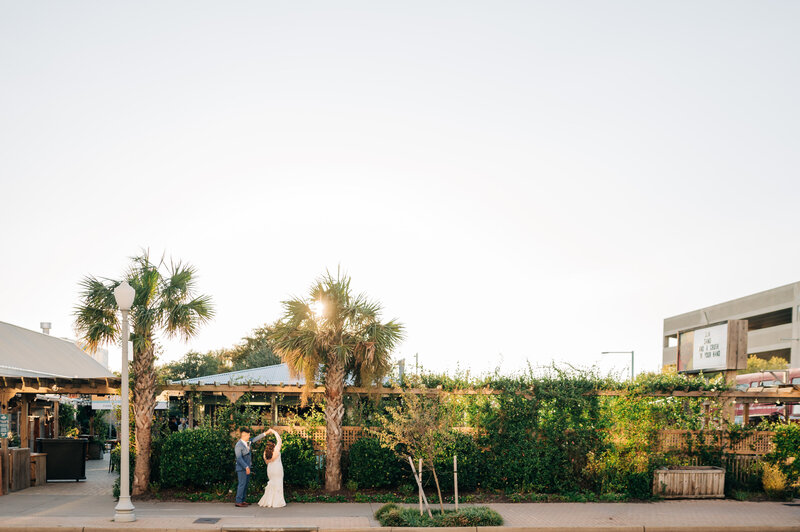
[(24, 426)]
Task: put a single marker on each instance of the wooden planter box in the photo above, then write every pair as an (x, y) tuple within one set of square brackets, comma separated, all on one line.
[(689, 482), (38, 469), (20, 469)]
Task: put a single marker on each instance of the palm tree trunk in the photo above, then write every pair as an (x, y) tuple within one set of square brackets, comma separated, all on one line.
[(334, 415), (144, 402)]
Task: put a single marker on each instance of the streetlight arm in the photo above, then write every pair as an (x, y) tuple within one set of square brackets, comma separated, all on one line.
[(621, 353)]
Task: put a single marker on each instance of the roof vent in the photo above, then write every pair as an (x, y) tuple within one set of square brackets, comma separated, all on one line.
[(46, 326)]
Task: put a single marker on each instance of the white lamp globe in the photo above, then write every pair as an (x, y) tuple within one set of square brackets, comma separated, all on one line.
[(124, 295)]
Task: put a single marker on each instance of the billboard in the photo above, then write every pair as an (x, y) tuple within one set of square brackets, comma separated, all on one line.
[(718, 347)]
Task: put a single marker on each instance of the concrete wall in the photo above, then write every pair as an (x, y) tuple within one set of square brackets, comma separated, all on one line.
[(768, 339)]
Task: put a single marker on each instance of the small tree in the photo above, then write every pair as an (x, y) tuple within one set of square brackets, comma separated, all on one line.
[(755, 363), (417, 426)]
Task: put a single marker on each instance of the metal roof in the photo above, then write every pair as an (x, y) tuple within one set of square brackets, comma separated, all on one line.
[(26, 353), (268, 375)]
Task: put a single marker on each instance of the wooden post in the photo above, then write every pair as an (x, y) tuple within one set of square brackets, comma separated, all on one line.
[(746, 414), (24, 425), (191, 410), (419, 485), (736, 360), (420, 491), (56, 405), (4, 454), (455, 478), (274, 408)]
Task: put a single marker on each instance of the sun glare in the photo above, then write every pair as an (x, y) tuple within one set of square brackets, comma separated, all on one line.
[(318, 309)]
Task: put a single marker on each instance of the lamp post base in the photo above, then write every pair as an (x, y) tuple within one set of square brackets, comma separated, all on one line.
[(123, 512)]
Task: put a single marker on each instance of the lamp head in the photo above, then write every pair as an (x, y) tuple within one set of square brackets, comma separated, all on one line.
[(124, 294)]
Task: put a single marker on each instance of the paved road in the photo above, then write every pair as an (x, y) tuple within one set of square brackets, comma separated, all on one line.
[(89, 505)]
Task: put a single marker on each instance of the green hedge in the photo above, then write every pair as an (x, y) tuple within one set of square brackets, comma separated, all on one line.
[(298, 458), (371, 465), (470, 463), (198, 457)]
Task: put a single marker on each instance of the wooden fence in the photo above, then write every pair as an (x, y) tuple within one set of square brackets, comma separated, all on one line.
[(756, 443), (317, 434)]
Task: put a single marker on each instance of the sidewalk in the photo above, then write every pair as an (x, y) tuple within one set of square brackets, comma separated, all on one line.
[(89, 507)]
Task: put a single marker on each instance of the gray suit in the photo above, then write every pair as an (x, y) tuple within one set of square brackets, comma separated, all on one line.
[(243, 461)]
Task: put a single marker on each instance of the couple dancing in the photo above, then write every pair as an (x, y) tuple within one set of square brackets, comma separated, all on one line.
[(273, 492)]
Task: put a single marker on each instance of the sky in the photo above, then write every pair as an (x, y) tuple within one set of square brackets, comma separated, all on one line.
[(514, 181)]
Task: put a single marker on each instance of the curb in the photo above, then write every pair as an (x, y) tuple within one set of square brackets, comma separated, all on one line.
[(544, 528)]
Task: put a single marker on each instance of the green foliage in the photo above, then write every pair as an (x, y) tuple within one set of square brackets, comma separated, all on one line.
[(786, 453), (470, 462), (198, 457), (392, 515), (193, 364), (66, 418), (550, 433), (372, 465), (254, 351), (115, 457), (757, 364), (648, 383), (298, 458), (233, 416)]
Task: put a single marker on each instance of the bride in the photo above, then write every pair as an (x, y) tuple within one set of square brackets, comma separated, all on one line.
[(273, 492)]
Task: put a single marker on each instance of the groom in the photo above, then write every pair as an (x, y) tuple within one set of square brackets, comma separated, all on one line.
[(243, 463)]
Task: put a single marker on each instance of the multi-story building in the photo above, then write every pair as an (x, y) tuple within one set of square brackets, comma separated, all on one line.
[(773, 318)]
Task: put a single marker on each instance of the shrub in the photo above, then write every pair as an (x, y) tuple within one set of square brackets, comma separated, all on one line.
[(197, 457), (774, 482), (372, 465), (115, 458), (298, 458), (393, 515), (469, 462), (786, 453)]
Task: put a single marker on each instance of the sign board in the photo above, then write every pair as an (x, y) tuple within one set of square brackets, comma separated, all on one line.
[(114, 402), (710, 348), (720, 347), (3, 425)]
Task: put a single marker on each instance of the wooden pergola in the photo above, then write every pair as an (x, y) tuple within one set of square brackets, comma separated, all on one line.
[(29, 387), (788, 394)]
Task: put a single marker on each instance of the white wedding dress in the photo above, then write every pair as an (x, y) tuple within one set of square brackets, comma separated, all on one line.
[(273, 492)]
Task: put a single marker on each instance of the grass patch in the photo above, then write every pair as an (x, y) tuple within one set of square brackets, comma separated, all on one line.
[(393, 515)]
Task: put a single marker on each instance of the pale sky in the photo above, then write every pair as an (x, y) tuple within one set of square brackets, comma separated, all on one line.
[(512, 180)]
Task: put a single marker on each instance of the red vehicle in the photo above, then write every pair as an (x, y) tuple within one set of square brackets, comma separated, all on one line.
[(767, 379)]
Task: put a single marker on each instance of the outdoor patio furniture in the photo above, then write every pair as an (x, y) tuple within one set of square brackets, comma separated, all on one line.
[(66, 457)]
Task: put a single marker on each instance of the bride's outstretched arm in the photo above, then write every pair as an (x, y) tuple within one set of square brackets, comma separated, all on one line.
[(279, 441)]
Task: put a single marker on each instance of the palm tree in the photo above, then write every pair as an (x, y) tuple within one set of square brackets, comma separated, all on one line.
[(336, 336), (166, 303)]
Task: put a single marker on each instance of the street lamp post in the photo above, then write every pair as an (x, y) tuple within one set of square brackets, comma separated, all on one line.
[(124, 510), (620, 353)]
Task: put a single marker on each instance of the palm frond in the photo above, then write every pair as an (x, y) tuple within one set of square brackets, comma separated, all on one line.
[(183, 320), (95, 315)]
